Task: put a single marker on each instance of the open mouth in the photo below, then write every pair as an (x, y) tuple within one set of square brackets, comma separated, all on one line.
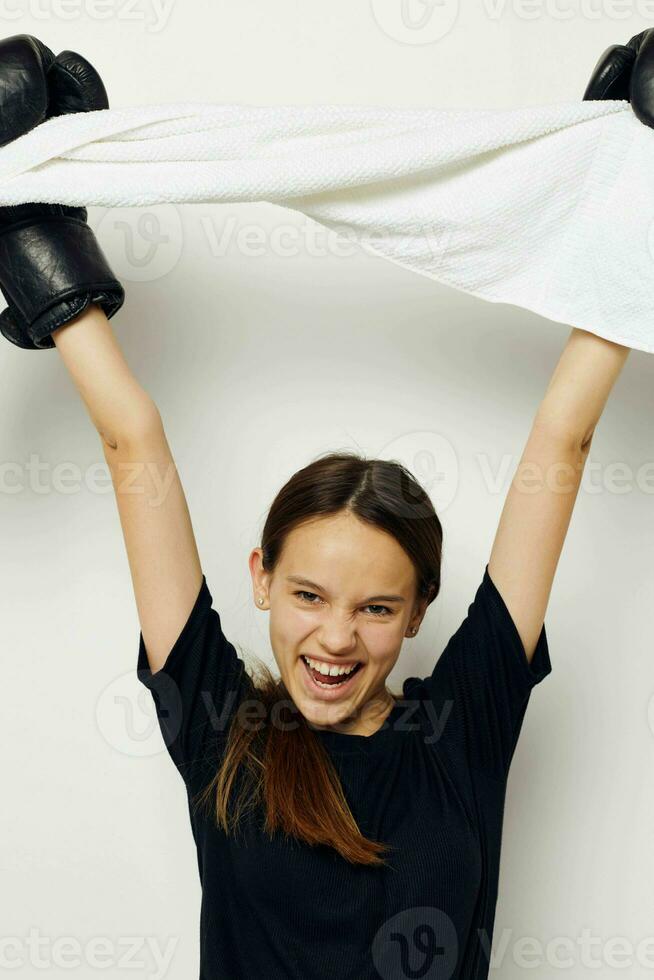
[(326, 682)]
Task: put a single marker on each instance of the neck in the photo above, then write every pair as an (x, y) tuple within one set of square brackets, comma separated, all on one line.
[(369, 719)]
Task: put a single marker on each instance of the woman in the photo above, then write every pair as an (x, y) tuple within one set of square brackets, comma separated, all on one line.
[(342, 831)]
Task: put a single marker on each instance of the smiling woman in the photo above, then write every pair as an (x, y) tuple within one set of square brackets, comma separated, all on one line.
[(339, 522), (319, 798), (314, 807), (347, 531), (344, 522), (342, 830)]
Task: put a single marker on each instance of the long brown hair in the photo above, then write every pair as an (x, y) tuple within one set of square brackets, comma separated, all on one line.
[(285, 766)]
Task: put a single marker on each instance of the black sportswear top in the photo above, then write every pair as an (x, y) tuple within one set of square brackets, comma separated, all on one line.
[(430, 782)]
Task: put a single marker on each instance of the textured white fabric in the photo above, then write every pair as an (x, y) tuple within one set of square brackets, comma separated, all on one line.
[(549, 207)]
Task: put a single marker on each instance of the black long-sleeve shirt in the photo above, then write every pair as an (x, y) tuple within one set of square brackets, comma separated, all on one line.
[(431, 783)]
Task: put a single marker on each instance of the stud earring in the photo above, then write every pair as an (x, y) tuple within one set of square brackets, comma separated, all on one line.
[(260, 600)]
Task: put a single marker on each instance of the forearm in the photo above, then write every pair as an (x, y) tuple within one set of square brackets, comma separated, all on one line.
[(154, 517), (581, 383), (117, 404)]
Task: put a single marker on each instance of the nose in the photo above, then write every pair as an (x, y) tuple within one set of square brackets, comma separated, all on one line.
[(338, 637)]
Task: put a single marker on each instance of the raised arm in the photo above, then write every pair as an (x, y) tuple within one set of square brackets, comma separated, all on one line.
[(539, 504), (542, 495), (60, 292), (161, 549)]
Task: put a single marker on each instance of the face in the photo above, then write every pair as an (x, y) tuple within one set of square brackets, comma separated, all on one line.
[(343, 594)]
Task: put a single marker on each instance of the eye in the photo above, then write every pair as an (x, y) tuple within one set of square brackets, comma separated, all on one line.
[(308, 601), (384, 610)]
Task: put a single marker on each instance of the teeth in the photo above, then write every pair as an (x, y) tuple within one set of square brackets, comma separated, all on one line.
[(327, 670)]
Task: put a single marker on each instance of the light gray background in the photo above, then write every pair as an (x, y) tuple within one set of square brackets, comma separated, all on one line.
[(260, 357)]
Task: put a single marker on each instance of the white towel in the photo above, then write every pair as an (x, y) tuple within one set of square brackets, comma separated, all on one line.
[(550, 208)]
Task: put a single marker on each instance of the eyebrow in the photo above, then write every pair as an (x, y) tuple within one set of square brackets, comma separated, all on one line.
[(318, 588)]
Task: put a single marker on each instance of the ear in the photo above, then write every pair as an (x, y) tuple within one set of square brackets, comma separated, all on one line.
[(419, 610), (260, 578)]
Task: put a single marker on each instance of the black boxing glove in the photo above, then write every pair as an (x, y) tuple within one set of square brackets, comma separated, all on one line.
[(51, 265), (626, 71)]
